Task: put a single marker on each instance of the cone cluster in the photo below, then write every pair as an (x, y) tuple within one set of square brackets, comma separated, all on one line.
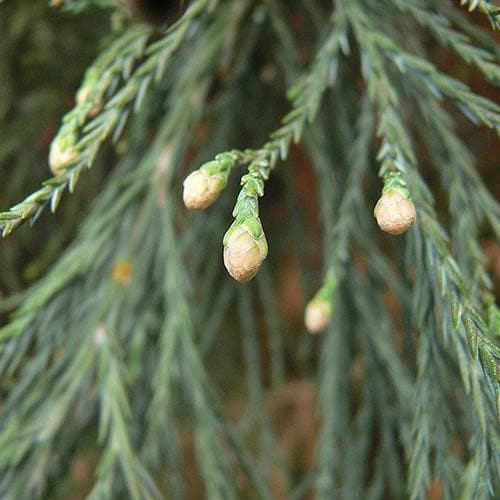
[(245, 245)]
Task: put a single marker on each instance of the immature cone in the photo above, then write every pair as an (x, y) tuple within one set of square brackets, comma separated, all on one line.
[(243, 254), (395, 214), (202, 189), (318, 315), (60, 155)]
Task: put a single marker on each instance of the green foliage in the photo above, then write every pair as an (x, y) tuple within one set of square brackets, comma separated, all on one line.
[(136, 343), (486, 7)]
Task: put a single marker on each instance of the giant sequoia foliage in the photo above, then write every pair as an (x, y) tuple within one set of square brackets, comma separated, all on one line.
[(133, 365)]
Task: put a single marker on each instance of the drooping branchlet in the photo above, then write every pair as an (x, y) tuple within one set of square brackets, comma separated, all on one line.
[(245, 244)]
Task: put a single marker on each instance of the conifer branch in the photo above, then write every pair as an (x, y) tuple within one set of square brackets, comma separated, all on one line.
[(424, 440), (306, 97), (38, 422), (184, 112), (357, 163), (465, 23), (442, 337), (84, 138), (465, 189), (451, 281), (486, 7), (388, 379), (212, 460), (334, 352), (333, 366), (426, 428), (135, 333), (319, 310), (378, 45), (115, 419), (460, 43), (85, 259)]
